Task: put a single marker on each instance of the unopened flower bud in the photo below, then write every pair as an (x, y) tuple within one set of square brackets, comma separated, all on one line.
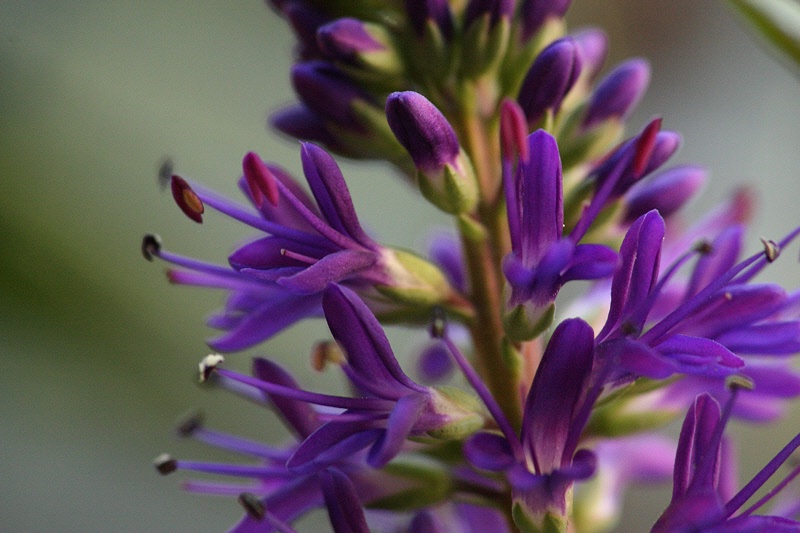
[(259, 179), (328, 92), (495, 9), (422, 12), (549, 79), (535, 13), (617, 95), (513, 131), (667, 192), (445, 175), (355, 42)]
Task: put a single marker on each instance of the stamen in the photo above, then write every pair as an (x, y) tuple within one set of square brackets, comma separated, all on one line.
[(325, 353), (165, 464), (491, 404), (190, 424), (298, 257), (771, 249), (209, 364), (151, 246), (260, 180), (252, 505), (187, 199)]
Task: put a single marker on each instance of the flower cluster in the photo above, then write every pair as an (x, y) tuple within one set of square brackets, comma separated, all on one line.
[(502, 120)]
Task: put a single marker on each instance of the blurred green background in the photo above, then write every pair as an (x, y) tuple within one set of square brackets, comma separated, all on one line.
[(99, 351)]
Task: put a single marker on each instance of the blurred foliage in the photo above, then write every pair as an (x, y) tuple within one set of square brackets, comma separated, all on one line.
[(777, 22)]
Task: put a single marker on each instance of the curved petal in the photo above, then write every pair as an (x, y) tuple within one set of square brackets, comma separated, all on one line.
[(332, 268), (489, 451), (399, 425)]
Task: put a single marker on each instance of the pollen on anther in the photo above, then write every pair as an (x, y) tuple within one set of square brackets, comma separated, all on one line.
[(191, 204), (771, 249), (209, 364), (151, 246)]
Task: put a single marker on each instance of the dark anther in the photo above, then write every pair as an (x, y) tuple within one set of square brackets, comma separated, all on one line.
[(438, 323), (208, 365), (165, 464), (703, 247), (252, 505), (151, 245), (629, 328), (191, 423), (191, 204)]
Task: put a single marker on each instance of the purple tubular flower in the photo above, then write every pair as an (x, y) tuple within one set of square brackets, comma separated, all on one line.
[(541, 260), (345, 38), (305, 20), (422, 130), (617, 95), (394, 408), (420, 12), (328, 92), (535, 13), (344, 507), (543, 465), (550, 78), (277, 280), (699, 502), (667, 192), (495, 9), (299, 122)]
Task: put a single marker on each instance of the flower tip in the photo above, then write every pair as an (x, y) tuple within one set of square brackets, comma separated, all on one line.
[(165, 464), (260, 180), (151, 246), (645, 145), (189, 424), (209, 364), (191, 204), (252, 505)]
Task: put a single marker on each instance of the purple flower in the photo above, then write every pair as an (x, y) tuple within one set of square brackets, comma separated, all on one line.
[(699, 497), (423, 12), (542, 463), (493, 9), (328, 92), (542, 259), (345, 38), (278, 279)]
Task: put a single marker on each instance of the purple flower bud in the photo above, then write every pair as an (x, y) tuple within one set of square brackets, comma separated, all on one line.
[(496, 9), (593, 44), (327, 91), (300, 122), (345, 38), (305, 21), (666, 192), (536, 12), (618, 93), (550, 78), (421, 11), (422, 130)]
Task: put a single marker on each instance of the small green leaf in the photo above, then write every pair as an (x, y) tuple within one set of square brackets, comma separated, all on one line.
[(778, 21)]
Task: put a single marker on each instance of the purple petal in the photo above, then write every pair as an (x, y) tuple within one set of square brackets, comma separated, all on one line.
[(697, 355), (774, 338), (591, 261), (398, 427), (639, 359), (640, 253), (435, 363), (328, 92), (290, 502), (331, 443), (332, 268), (539, 197), (344, 508), (534, 13), (693, 451), (489, 452), (270, 318), (267, 253), (329, 189), (298, 415), (558, 388), (446, 253), (735, 307), (368, 352), (593, 45), (438, 11), (345, 38), (300, 122)]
